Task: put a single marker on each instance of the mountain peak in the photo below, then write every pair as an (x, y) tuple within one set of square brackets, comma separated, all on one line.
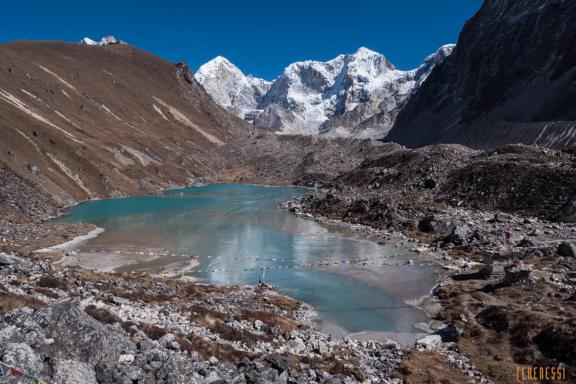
[(104, 41), (221, 60), (230, 87), (363, 52), (218, 66)]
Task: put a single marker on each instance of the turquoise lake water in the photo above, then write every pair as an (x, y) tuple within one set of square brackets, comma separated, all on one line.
[(236, 228)]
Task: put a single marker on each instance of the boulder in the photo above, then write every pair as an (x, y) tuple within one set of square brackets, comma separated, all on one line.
[(168, 367), (502, 217), (321, 348), (567, 212), (112, 373), (73, 372), (429, 343), (458, 236), (529, 243), (256, 375), (429, 183), (8, 333), (427, 224), (6, 259), (487, 269), (297, 344), (82, 338), (532, 254), (450, 333), (567, 248), (517, 273), (279, 362), (23, 357)]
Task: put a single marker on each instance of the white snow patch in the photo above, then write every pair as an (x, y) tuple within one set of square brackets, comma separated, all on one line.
[(74, 243), (28, 139), (75, 177), (13, 100), (124, 160), (67, 120), (184, 120), (88, 41), (157, 109), (104, 107), (144, 159), (57, 77), (106, 40), (31, 95), (109, 40), (66, 94)]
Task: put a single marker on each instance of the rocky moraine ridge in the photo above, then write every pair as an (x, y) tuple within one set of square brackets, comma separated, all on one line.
[(502, 222)]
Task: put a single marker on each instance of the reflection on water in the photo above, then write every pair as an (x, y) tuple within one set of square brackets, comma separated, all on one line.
[(234, 227)]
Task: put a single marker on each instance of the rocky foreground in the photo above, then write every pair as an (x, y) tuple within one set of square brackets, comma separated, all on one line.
[(69, 325), (502, 221)]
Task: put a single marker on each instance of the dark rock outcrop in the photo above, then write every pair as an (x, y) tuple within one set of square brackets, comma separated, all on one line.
[(567, 212), (511, 79), (566, 248)]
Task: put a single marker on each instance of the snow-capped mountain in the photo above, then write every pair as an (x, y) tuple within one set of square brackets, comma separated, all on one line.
[(229, 87), (355, 95), (106, 40)]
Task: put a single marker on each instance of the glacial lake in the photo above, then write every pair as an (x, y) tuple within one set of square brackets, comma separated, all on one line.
[(227, 233)]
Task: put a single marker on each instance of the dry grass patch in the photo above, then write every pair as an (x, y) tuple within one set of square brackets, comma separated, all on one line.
[(49, 281), (282, 302), (208, 348), (102, 315), (512, 326), (47, 292), (232, 334), (268, 318), (203, 316), (152, 331), (9, 301), (428, 368)]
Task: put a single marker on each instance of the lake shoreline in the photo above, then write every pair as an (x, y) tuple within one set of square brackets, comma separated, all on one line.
[(424, 302), (131, 264)]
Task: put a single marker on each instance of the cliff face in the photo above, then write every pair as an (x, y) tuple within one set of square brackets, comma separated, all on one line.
[(511, 78), (82, 121)]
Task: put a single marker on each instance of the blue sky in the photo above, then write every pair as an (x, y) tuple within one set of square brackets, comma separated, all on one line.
[(260, 36)]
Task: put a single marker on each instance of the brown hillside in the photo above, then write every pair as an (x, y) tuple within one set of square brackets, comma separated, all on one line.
[(83, 121)]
